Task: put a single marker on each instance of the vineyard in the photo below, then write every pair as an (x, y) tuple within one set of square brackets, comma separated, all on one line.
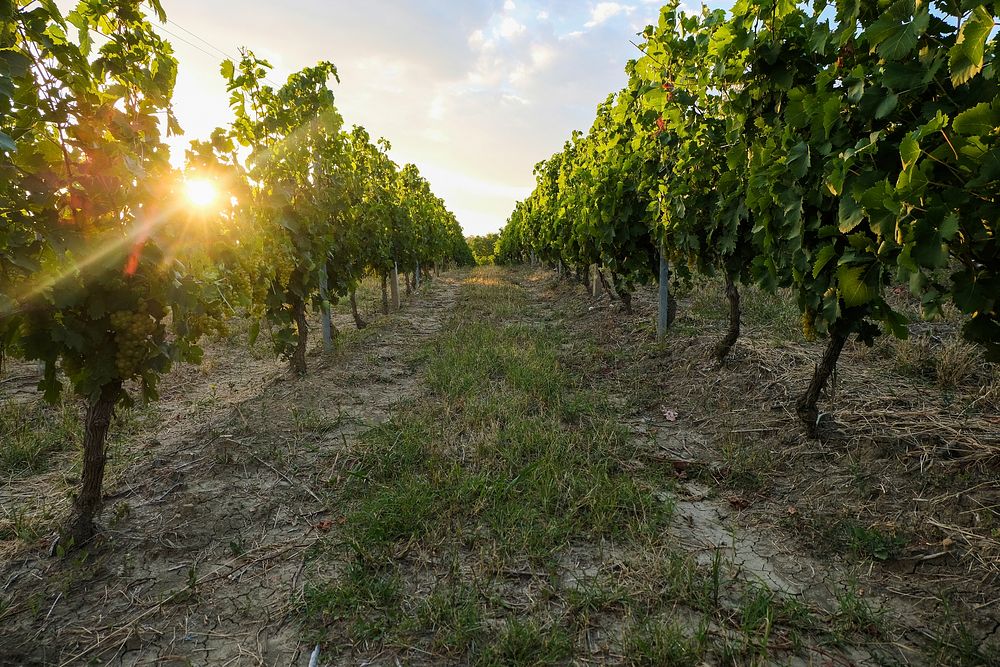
[(835, 155), (723, 390)]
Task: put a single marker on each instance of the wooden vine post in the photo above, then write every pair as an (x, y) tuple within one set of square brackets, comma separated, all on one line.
[(324, 296), (394, 285), (664, 312)]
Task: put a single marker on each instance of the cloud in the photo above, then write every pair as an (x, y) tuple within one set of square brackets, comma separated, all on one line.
[(510, 28), (603, 11), (474, 93)]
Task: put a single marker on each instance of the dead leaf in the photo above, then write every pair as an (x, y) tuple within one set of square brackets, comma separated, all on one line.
[(738, 502)]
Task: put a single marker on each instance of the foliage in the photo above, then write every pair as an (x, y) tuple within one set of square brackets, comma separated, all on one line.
[(484, 248), (106, 277), (831, 152), (91, 249)]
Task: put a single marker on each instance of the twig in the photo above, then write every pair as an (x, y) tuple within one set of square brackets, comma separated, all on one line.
[(286, 477)]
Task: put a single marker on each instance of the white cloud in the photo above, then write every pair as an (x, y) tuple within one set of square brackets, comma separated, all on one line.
[(603, 11), (510, 27), (474, 93)]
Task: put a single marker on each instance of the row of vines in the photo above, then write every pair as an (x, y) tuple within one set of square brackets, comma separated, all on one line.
[(833, 150), (107, 277)]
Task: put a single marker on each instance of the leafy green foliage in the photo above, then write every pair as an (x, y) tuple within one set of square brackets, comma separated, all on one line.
[(106, 277), (88, 230), (484, 248), (832, 153)]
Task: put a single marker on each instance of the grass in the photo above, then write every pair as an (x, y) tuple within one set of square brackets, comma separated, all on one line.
[(856, 614), (506, 452), (506, 460), (365, 598), (463, 510), (775, 314), (32, 434), (452, 616), (665, 642), (529, 642)]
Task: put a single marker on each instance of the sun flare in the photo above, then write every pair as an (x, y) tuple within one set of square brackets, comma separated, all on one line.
[(200, 192)]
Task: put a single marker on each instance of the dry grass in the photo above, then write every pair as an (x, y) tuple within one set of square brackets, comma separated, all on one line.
[(905, 472)]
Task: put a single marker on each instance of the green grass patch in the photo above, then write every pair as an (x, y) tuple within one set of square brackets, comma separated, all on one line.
[(452, 617), (463, 510), (527, 643), (33, 432), (506, 452), (364, 599), (657, 642)]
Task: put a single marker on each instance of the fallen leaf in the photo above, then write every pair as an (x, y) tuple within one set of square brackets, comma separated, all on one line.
[(324, 525), (738, 502)]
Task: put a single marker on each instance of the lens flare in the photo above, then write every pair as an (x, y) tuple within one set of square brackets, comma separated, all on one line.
[(200, 192)]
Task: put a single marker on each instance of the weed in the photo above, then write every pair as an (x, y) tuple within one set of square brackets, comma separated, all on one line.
[(660, 642), (956, 363), (367, 599), (955, 644), (914, 357), (312, 421), (748, 464), (855, 614), (589, 597), (32, 433), (527, 642), (872, 542), (21, 525), (452, 616)]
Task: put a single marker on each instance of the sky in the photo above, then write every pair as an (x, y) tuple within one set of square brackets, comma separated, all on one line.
[(474, 92)]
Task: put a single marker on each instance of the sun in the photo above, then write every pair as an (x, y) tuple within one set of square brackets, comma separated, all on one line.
[(200, 192)]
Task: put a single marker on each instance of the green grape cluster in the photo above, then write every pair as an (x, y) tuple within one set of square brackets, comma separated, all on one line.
[(202, 325), (809, 324), (132, 333)]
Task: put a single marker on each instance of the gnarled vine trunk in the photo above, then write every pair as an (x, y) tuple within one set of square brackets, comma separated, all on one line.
[(87, 505), (806, 405), (724, 346), (358, 322), (298, 359), (626, 298)]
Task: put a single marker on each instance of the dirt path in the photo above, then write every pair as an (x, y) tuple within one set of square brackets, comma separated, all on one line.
[(561, 494), (208, 534), (805, 517)]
